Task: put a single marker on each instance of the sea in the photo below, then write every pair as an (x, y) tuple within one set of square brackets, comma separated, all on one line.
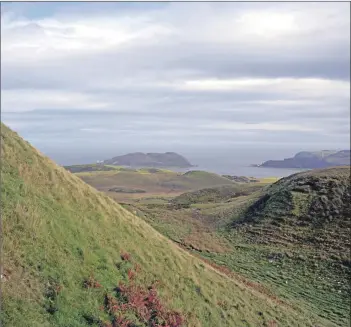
[(224, 161)]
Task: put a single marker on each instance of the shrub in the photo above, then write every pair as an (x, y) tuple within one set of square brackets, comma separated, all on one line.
[(142, 303), (125, 256), (91, 283), (147, 306)]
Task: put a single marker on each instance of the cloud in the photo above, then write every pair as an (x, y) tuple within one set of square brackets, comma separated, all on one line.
[(25, 99), (178, 72), (278, 126)]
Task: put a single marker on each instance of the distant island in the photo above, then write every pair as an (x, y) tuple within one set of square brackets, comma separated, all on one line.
[(139, 159), (311, 160)]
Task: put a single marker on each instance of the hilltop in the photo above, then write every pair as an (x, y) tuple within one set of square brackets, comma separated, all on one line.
[(307, 208), (217, 194), (139, 159), (73, 257), (310, 160)]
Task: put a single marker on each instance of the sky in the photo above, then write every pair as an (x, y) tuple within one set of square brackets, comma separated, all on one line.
[(110, 78)]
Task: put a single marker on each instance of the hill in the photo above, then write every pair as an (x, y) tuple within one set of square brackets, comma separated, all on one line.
[(310, 160), (156, 182), (241, 179), (309, 207), (139, 159), (89, 168), (292, 238), (215, 194), (72, 256)]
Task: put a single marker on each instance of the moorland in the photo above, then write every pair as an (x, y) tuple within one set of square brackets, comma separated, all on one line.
[(151, 247)]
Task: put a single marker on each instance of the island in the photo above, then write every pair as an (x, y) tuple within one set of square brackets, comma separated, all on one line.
[(154, 160), (311, 160)]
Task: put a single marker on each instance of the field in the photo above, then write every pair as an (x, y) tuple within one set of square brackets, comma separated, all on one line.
[(155, 182)]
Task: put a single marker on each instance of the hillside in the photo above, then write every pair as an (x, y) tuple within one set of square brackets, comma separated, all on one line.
[(215, 194), (309, 207), (139, 159), (66, 248), (310, 160), (292, 238), (153, 181), (89, 168), (241, 179)]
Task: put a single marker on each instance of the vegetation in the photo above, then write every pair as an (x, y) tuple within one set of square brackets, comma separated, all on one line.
[(304, 208), (290, 239), (104, 167), (62, 246), (241, 179), (89, 167), (141, 305), (156, 182), (126, 190), (215, 194)]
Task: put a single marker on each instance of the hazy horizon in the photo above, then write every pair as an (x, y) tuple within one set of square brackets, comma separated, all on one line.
[(86, 81), (232, 161)]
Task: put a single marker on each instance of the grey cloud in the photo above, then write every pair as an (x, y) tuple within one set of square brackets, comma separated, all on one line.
[(231, 66), (130, 79), (166, 63)]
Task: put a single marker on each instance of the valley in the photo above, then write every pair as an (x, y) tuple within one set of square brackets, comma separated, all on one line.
[(175, 164), (266, 231), (199, 248), (72, 256)]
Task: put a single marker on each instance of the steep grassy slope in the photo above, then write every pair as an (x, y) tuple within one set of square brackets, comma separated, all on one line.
[(58, 232)]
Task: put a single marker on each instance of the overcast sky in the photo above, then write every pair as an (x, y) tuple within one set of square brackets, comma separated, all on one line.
[(148, 76)]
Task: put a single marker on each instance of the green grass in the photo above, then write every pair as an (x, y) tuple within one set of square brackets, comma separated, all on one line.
[(296, 276), (58, 231), (217, 194), (90, 168), (303, 276), (268, 180), (156, 182), (305, 266), (307, 208)]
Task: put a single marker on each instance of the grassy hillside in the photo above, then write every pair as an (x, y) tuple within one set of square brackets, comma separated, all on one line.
[(216, 194), (310, 207), (301, 224), (153, 181), (66, 247), (89, 168), (291, 237)]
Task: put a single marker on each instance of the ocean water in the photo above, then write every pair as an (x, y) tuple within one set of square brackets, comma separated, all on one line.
[(242, 170), (230, 161), (239, 165)]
